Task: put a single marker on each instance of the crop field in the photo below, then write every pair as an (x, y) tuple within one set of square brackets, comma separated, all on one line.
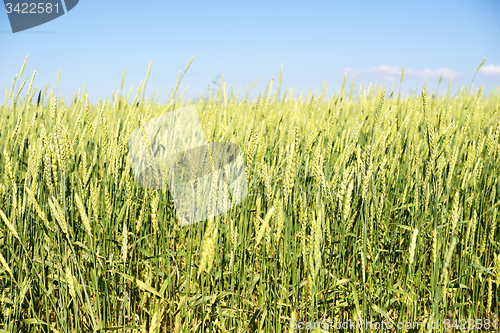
[(381, 207)]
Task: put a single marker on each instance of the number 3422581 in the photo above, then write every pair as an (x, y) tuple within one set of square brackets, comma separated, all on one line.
[(32, 8)]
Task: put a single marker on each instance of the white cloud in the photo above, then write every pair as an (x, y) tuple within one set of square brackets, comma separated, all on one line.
[(388, 73), (491, 70), (385, 69), (391, 73), (433, 73), (347, 69)]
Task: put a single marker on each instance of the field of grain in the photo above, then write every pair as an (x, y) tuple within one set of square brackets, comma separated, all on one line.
[(380, 207)]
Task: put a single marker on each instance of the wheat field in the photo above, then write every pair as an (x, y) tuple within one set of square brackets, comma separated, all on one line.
[(379, 207)]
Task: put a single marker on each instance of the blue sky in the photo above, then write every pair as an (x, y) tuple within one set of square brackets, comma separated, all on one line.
[(314, 41)]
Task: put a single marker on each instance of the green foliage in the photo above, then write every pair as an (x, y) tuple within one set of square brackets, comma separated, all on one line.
[(378, 208)]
